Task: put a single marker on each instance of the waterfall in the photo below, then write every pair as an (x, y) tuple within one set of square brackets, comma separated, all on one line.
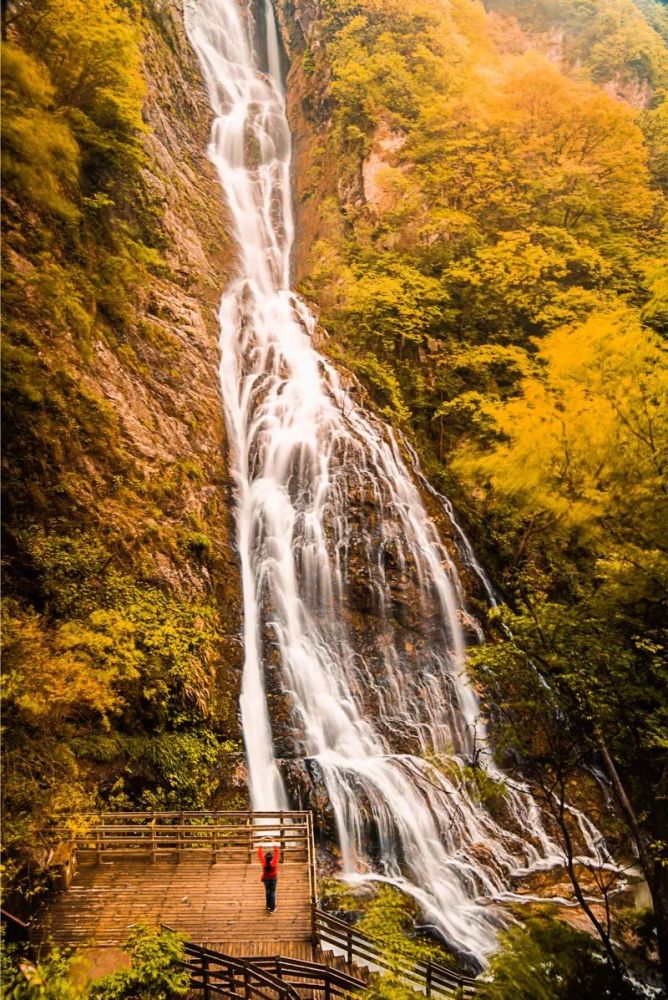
[(348, 590)]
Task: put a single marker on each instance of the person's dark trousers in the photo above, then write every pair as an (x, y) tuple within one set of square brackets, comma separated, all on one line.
[(270, 889)]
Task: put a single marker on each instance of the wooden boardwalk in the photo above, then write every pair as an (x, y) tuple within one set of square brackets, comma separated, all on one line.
[(198, 873), (211, 903)]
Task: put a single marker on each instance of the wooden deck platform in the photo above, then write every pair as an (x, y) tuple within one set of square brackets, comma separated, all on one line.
[(198, 873), (220, 904)]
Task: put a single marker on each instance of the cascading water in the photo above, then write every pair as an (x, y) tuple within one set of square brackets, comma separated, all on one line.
[(345, 579)]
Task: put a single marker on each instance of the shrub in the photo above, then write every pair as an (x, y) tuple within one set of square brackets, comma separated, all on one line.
[(155, 973), (545, 959)]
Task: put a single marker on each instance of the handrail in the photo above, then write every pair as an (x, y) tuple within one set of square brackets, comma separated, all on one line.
[(206, 813), (428, 976), (313, 974), (16, 920), (216, 974), (166, 833), (313, 877)]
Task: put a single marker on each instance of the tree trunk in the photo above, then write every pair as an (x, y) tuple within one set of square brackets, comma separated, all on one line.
[(656, 873), (658, 887), (579, 895)]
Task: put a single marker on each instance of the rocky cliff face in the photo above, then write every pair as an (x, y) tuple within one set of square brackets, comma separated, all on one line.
[(123, 605), (168, 406), (168, 403), (315, 172)]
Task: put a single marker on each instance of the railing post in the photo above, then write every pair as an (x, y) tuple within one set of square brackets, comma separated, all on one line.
[(154, 844), (328, 991), (312, 875), (98, 843), (205, 978), (428, 977), (178, 837), (281, 836), (350, 946), (314, 923), (249, 824), (246, 985)]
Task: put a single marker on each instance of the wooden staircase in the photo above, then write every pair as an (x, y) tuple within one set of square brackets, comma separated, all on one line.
[(213, 974), (278, 977), (430, 978)]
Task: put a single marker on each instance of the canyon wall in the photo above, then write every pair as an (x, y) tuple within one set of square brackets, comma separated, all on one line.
[(121, 584)]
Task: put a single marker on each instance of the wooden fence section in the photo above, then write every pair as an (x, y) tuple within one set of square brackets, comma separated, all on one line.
[(233, 835), (214, 974), (272, 978), (428, 977), (311, 977)]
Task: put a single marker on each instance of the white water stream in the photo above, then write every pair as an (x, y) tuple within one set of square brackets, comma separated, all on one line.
[(328, 511)]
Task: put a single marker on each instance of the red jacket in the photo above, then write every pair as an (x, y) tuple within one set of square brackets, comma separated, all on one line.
[(269, 871)]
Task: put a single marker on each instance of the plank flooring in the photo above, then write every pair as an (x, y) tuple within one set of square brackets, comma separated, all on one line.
[(268, 947), (206, 901)]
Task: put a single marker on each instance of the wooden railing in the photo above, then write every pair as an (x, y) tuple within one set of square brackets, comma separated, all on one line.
[(214, 974), (427, 977), (226, 835), (311, 977)]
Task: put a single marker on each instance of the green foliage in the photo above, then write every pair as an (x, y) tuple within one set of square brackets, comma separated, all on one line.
[(395, 304), (656, 14), (383, 383), (93, 56), (589, 673), (40, 157), (611, 37), (177, 770), (198, 543), (491, 264), (47, 979), (484, 788), (155, 646), (334, 894), (545, 959), (155, 972), (308, 63), (637, 928), (584, 444), (387, 920), (507, 199), (105, 663), (73, 152), (386, 986)]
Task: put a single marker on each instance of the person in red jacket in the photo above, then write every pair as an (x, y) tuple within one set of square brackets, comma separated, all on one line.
[(269, 862)]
